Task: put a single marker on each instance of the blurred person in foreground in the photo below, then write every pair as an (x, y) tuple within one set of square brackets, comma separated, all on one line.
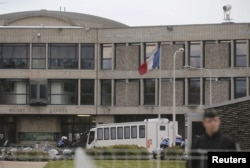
[(211, 140)]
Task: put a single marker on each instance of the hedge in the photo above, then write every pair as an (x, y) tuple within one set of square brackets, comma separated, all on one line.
[(129, 152)]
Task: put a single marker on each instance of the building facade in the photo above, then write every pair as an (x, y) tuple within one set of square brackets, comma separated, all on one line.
[(62, 73)]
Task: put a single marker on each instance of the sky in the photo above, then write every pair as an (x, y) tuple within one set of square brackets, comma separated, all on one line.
[(141, 12)]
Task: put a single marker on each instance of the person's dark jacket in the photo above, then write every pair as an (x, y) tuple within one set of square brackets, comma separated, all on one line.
[(198, 153)]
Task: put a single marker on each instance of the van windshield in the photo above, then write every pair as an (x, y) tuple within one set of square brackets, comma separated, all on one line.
[(91, 137)]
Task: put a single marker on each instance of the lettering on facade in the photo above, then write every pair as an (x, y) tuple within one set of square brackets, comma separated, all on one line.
[(38, 110)]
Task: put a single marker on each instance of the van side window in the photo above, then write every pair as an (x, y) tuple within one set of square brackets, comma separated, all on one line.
[(134, 132), (91, 137), (113, 132), (119, 132), (142, 131), (106, 133), (162, 128), (99, 134), (127, 132)]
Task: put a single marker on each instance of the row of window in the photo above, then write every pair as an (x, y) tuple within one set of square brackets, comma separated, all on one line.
[(65, 92), (65, 56), (60, 56), (126, 132)]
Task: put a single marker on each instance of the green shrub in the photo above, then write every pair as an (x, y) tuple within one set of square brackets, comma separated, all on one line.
[(30, 156), (118, 152), (173, 153)]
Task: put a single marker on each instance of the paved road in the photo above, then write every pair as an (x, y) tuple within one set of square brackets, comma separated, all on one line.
[(14, 164)]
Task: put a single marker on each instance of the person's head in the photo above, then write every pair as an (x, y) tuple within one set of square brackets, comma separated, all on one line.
[(211, 122)]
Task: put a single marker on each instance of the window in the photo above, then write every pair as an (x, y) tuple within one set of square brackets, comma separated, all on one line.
[(106, 56), (194, 91), (240, 54), (119, 132), (14, 56), (106, 92), (38, 56), (14, 91), (87, 56), (240, 87), (162, 127), (133, 131), (150, 48), (99, 134), (63, 56), (38, 92), (194, 54), (142, 131), (149, 92), (91, 137), (63, 92), (106, 133), (113, 132), (87, 92), (127, 132)]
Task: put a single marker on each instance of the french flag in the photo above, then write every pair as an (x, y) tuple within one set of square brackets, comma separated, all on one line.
[(151, 63)]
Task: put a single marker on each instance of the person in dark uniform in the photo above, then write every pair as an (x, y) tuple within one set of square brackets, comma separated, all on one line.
[(211, 140)]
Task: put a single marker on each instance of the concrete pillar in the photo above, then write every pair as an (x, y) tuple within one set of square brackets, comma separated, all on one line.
[(248, 50), (113, 56), (186, 91), (247, 86), (47, 55), (79, 56), (232, 88), (232, 53), (112, 92), (79, 92), (202, 54), (30, 56), (141, 92), (186, 62), (201, 91)]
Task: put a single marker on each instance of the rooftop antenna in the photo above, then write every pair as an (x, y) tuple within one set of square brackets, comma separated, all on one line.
[(227, 12)]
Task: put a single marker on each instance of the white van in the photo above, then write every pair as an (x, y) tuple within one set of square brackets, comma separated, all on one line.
[(147, 133)]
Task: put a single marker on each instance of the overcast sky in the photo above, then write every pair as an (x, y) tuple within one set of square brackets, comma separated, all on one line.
[(141, 12)]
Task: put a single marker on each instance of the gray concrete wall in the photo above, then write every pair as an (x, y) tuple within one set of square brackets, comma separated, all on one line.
[(127, 94), (217, 56), (104, 119), (220, 91), (167, 57), (127, 58), (167, 93)]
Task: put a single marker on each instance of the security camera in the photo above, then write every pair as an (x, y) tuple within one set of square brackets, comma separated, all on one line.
[(38, 35)]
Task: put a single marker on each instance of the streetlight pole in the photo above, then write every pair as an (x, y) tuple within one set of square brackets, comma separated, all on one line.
[(180, 50), (210, 80)]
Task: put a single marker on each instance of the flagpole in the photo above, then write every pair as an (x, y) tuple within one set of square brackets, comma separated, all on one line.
[(159, 73)]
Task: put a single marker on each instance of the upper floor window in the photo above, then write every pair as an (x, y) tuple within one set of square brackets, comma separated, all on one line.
[(150, 48), (240, 54), (87, 56), (194, 91), (87, 91), (38, 56), (14, 91), (63, 56), (14, 56), (106, 92), (240, 87), (63, 92), (194, 54), (106, 58), (149, 92)]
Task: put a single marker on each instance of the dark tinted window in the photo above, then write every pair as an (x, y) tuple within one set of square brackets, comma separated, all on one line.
[(194, 91)]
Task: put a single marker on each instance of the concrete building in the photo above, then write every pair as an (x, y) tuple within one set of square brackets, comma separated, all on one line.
[(61, 72)]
